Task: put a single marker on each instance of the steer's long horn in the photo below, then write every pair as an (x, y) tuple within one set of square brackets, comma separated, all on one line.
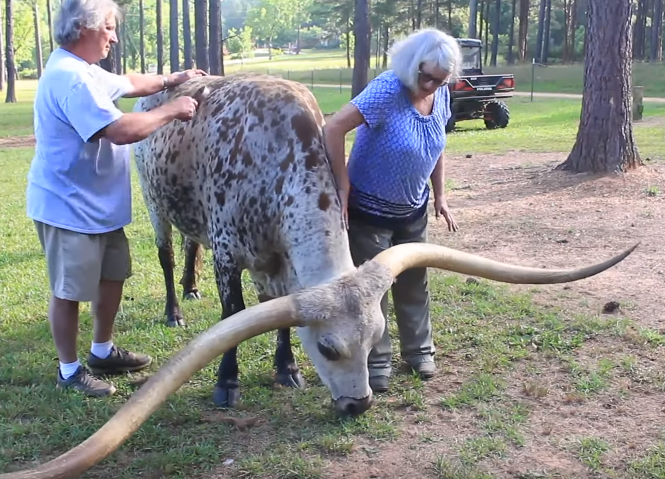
[(275, 314), (415, 255)]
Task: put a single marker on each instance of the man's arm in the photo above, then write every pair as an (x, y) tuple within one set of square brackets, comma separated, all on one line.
[(134, 127), (146, 84)]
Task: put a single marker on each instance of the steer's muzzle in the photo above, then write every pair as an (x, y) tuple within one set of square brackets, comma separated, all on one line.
[(351, 406)]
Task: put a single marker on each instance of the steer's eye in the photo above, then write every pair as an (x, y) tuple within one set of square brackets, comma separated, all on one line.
[(328, 351)]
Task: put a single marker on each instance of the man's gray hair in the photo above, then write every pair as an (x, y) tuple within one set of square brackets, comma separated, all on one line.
[(75, 15), (424, 46)]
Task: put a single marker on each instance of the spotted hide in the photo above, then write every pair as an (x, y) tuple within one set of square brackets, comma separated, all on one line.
[(248, 178)]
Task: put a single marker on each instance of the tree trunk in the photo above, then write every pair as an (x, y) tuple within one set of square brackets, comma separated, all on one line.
[(497, 25), (487, 30), (541, 30), (142, 35), (473, 16), (523, 33), (573, 23), (419, 14), (546, 33), (348, 44), (39, 59), (511, 34), (187, 35), (605, 142), (481, 14), (361, 53), (386, 44), (215, 51), (123, 44), (656, 53), (9, 54), (565, 51), (450, 16), (49, 18), (3, 67), (160, 39), (437, 13), (639, 31), (174, 48), (201, 34)]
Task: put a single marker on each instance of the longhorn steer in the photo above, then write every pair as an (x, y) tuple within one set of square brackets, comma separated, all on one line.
[(248, 178)]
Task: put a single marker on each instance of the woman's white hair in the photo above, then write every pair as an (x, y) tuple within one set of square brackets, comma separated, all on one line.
[(75, 15), (429, 46)]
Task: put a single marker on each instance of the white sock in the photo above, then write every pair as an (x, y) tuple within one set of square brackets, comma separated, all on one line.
[(101, 350), (68, 369)]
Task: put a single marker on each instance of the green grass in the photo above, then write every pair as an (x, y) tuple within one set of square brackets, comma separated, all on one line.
[(485, 331)]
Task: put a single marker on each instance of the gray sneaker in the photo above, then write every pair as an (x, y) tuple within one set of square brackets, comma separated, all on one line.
[(83, 381), (119, 361)]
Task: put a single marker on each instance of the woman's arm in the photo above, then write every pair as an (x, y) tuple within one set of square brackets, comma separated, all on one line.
[(335, 130)]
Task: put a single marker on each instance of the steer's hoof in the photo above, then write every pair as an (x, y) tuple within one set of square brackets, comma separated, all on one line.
[(290, 379), (175, 321), (225, 396), (192, 295)]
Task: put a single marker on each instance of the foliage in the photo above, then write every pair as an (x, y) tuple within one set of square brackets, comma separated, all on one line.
[(241, 43)]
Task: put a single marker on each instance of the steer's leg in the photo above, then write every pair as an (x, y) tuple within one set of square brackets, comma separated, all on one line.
[(288, 373), (193, 259), (229, 285), (164, 242)]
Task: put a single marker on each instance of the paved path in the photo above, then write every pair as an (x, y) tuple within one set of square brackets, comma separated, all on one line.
[(573, 96)]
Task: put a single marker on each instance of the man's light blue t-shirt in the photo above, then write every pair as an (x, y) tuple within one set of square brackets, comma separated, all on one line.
[(394, 153), (74, 182)]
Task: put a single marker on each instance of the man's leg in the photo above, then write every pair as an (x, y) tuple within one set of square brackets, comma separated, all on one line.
[(105, 357), (73, 263), (411, 299), (365, 243)]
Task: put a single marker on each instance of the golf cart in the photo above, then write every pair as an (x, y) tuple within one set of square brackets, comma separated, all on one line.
[(476, 96)]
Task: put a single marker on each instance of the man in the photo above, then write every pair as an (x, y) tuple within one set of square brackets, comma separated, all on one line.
[(79, 193)]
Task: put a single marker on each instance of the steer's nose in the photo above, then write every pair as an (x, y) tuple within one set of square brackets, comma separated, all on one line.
[(353, 407)]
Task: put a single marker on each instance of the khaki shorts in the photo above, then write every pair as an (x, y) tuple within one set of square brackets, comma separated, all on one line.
[(77, 262)]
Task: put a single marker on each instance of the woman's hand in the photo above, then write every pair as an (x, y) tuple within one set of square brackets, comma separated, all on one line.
[(344, 201), (441, 209)]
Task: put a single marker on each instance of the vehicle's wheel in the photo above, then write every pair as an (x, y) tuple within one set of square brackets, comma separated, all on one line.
[(497, 115)]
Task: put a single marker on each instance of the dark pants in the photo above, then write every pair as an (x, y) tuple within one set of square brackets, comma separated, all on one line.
[(410, 295)]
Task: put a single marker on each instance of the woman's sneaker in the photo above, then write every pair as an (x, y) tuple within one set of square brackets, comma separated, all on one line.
[(83, 381)]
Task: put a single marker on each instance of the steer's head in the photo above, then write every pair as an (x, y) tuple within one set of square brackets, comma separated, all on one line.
[(339, 322), (343, 322)]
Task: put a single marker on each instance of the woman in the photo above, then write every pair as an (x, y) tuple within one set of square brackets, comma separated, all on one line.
[(401, 117)]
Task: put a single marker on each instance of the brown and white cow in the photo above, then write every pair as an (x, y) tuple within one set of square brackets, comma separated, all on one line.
[(248, 178)]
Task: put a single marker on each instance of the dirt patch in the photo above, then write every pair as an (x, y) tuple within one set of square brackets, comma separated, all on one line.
[(516, 209), (17, 142)]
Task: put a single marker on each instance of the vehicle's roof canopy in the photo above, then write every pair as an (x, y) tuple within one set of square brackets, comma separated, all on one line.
[(469, 42)]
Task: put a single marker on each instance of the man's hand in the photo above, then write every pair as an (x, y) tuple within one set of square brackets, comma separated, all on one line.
[(184, 107), (441, 209), (178, 78)]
